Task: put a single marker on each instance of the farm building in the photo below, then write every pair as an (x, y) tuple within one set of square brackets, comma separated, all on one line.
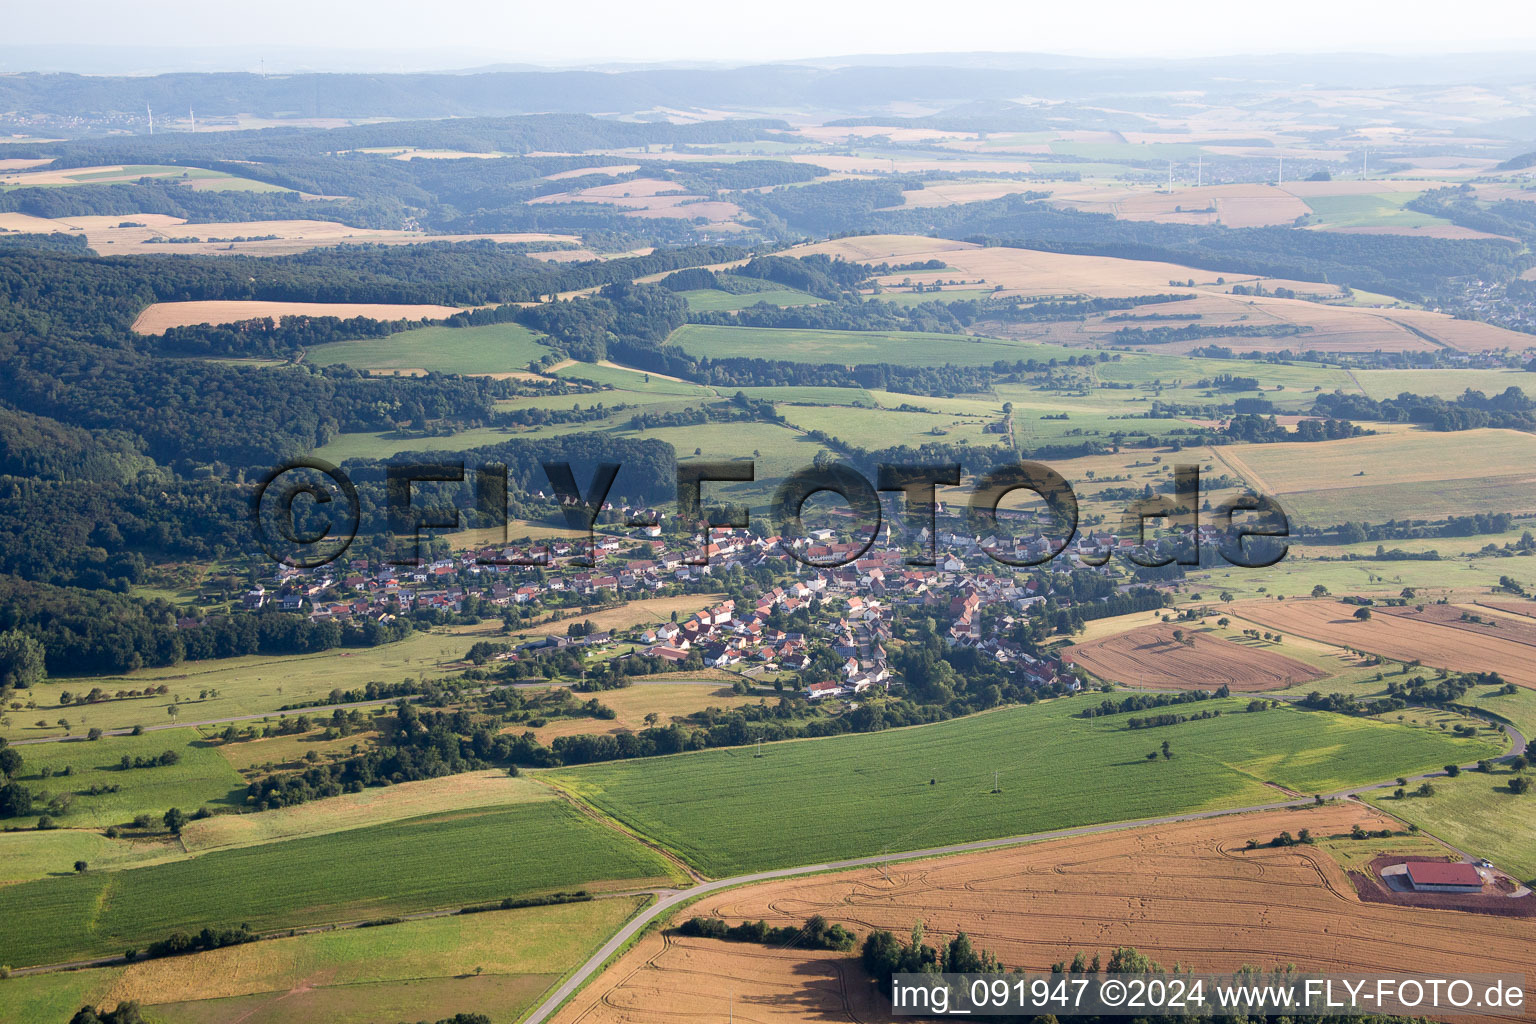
[(1439, 877)]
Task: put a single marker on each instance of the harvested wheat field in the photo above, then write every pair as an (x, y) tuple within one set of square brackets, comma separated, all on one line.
[(1236, 206), (1187, 893), (1151, 657), (1396, 636), (162, 316)]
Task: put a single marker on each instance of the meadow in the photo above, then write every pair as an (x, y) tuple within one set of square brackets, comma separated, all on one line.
[(200, 778), (494, 348), (247, 685), (498, 963), (728, 811), (1475, 812), (447, 859), (1380, 384)]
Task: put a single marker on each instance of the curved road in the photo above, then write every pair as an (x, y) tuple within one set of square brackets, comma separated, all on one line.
[(671, 898)]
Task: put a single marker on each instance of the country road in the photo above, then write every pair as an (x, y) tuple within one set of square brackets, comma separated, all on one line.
[(669, 898), (595, 963), (326, 708)]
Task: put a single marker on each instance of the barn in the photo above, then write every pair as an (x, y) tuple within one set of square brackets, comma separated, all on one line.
[(1441, 877)]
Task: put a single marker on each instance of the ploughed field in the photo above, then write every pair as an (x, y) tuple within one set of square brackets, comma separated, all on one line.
[(1402, 637), (1151, 657), (728, 811), (1187, 893)]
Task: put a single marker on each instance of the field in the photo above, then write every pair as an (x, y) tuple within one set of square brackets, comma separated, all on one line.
[(848, 348), (495, 963), (373, 806), (1396, 637), (1150, 657), (727, 811), (494, 348), (156, 318), (633, 703), (1476, 812), (201, 777), (1185, 893), (1382, 476), (1379, 384), (446, 859), (247, 685)]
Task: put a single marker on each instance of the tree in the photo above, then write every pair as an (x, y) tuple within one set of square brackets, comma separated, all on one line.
[(15, 800), (1167, 751), (174, 820), (1425, 789), (80, 867), (1453, 770), (1518, 763), (1520, 784), (1319, 591), (10, 761), (22, 661), (1363, 614)]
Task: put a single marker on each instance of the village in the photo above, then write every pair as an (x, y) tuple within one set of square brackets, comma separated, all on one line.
[(793, 612)]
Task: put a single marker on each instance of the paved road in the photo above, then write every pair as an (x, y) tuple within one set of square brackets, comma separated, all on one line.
[(674, 898), (671, 898), (318, 709)]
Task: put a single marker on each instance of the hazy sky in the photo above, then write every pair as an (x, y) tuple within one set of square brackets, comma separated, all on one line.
[(648, 30)]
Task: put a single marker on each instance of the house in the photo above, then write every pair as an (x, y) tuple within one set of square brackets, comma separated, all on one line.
[(1437, 876), (817, 691)]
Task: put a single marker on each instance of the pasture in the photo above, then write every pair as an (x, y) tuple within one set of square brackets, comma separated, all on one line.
[(440, 860), (248, 685), (1478, 813), (728, 811), (200, 777), (496, 962), (491, 349)]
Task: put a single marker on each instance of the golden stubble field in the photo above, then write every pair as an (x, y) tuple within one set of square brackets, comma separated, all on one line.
[(161, 316), (1186, 893)]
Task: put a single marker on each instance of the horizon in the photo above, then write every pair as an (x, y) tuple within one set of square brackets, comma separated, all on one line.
[(390, 38)]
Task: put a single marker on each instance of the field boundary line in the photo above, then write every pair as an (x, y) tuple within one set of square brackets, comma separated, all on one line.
[(583, 807)]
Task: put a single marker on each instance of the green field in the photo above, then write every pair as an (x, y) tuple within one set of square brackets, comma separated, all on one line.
[(459, 857), (245, 685), (638, 381), (494, 348), (200, 778), (729, 812), (381, 444), (1380, 384), (1379, 209), (497, 963), (1477, 813), (848, 348)]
